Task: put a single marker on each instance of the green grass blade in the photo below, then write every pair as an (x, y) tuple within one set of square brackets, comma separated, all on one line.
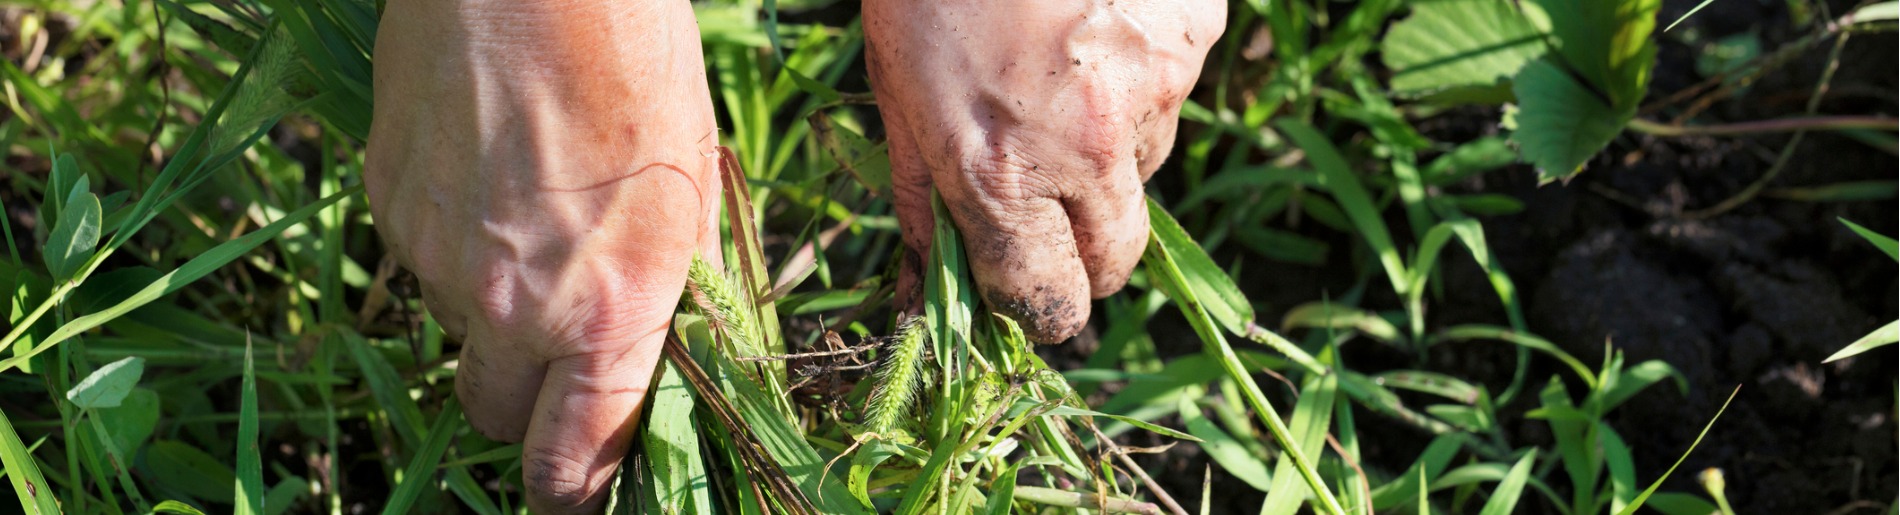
[(1685, 16), (421, 469), (28, 485), (1886, 335), (1885, 244), (250, 463), (672, 444), (1638, 503), (1312, 416), (1337, 177), (193, 270), (176, 507), (1168, 276), (1504, 498), (1475, 332), (1229, 453)]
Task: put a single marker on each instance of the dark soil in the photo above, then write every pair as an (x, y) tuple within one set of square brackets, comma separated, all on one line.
[(1756, 297)]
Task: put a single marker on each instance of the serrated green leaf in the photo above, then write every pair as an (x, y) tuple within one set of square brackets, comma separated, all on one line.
[(1561, 123), (1607, 42), (107, 386), (1448, 44)]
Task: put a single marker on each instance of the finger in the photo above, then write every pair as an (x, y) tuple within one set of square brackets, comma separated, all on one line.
[(917, 222), (582, 424), (1111, 229), (497, 384), (1022, 251)]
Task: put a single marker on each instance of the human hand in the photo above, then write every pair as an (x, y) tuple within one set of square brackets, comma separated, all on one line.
[(1037, 122), (548, 172)]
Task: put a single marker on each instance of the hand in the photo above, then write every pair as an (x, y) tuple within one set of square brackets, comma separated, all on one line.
[(1037, 122), (547, 170)]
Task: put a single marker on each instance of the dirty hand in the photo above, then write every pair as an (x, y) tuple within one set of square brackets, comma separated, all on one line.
[(547, 171), (1037, 122)]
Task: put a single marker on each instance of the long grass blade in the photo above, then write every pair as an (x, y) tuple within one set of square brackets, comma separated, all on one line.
[(1638, 503), (250, 462)]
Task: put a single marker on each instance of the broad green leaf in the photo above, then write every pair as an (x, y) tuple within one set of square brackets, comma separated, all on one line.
[(1504, 498), (1880, 241), (1885, 335), (250, 462), (1561, 123), (1607, 42), (1454, 43), (28, 485), (132, 421), (73, 237), (107, 386)]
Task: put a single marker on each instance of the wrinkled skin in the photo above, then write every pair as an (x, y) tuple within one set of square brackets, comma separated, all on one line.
[(548, 172), (1037, 122)]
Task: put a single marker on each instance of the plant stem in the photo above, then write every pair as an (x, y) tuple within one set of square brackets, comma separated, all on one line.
[(1805, 123), (1066, 499)]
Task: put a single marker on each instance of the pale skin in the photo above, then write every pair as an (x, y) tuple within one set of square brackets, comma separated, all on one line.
[(547, 170)]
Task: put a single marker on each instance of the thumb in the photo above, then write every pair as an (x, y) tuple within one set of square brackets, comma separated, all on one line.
[(582, 425)]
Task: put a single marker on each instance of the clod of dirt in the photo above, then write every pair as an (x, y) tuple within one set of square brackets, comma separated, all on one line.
[(1606, 287)]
